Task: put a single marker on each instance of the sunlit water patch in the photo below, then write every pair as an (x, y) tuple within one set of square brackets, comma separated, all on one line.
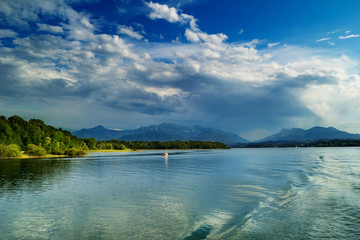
[(302, 193)]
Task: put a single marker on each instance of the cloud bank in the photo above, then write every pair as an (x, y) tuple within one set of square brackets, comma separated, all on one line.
[(204, 80)]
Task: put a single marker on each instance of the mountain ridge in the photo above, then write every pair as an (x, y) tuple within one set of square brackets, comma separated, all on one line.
[(173, 132), (162, 132), (314, 133)]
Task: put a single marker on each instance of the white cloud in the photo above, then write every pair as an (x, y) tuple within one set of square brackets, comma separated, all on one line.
[(335, 31), (270, 45), (350, 36), (160, 11), (49, 28), (78, 25), (347, 32), (20, 13), (7, 33), (198, 36), (241, 31), (333, 102), (185, 18), (163, 11), (130, 32), (165, 92), (192, 34), (323, 39), (201, 78), (212, 38)]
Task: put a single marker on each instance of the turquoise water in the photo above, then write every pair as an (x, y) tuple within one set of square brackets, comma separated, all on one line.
[(299, 193)]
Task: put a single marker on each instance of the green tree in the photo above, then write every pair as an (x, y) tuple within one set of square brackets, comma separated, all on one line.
[(91, 143), (35, 150), (11, 150), (75, 152), (83, 145), (6, 133)]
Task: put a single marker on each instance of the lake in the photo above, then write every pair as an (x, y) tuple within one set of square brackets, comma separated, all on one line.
[(290, 193)]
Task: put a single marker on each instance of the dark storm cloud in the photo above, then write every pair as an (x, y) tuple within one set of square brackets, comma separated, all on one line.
[(248, 106)]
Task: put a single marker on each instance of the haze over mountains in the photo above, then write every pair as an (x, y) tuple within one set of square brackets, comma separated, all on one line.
[(173, 132)]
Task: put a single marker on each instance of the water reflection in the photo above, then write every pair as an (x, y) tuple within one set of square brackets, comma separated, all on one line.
[(166, 161), (232, 194), (30, 175)]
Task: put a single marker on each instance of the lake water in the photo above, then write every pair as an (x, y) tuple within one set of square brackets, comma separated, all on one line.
[(298, 193)]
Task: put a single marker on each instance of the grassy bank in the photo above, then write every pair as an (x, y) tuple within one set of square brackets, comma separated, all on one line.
[(26, 156)]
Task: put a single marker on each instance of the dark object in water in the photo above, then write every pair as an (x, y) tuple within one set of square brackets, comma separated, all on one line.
[(200, 233)]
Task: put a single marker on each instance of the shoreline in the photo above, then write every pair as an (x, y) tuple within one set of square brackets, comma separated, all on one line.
[(26, 156)]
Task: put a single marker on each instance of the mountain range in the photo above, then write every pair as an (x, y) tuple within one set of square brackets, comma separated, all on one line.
[(162, 132), (315, 133), (173, 132)]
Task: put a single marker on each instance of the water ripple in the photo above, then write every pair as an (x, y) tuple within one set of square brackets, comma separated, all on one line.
[(310, 193)]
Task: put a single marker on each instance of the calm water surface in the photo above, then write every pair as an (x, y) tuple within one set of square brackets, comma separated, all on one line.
[(307, 193)]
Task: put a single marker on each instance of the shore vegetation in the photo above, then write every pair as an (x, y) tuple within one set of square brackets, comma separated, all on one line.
[(11, 150)]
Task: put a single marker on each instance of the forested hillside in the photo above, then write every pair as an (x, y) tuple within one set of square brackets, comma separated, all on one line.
[(37, 138)]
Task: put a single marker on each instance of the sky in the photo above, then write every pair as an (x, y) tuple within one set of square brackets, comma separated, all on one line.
[(252, 67)]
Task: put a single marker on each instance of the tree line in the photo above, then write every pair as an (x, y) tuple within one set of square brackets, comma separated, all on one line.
[(34, 137), (314, 143), (121, 145)]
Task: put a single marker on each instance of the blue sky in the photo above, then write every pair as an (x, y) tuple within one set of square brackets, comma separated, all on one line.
[(250, 67)]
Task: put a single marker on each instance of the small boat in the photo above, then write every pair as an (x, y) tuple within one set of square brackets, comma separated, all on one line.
[(165, 154)]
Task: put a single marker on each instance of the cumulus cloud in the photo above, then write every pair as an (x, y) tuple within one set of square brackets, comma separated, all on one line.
[(49, 28), (79, 25), (21, 13), (165, 92), (193, 33), (204, 79), (170, 14), (192, 36), (196, 36), (130, 32), (7, 33), (160, 11)]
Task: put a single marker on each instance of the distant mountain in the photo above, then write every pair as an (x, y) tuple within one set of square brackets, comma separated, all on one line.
[(162, 132), (100, 132), (315, 133)]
